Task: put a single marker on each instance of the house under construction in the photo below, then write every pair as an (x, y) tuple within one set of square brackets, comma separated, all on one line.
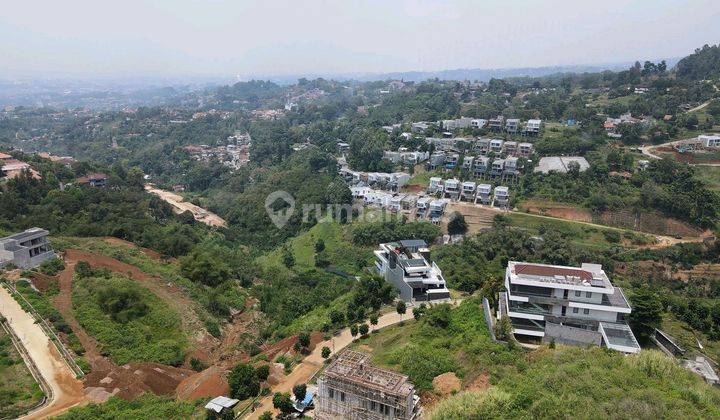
[(351, 388)]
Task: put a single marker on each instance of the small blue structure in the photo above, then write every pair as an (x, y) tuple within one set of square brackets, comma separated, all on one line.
[(306, 403)]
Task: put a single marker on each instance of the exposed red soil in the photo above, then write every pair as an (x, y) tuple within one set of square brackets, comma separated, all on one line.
[(209, 383), (42, 281)]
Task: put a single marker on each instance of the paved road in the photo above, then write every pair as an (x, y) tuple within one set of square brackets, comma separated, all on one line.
[(304, 371), (66, 389)]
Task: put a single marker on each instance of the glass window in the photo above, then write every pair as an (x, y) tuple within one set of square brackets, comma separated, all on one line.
[(588, 294), (331, 393), (578, 293), (342, 396), (586, 311), (575, 310)]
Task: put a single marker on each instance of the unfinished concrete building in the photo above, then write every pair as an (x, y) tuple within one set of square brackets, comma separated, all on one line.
[(352, 388)]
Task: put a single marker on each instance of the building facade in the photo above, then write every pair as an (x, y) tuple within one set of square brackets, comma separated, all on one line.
[(405, 264), (27, 249), (352, 388), (568, 305)]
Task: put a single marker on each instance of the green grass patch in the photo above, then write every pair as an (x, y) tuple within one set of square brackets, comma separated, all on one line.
[(147, 406), (18, 389), (130, 322)]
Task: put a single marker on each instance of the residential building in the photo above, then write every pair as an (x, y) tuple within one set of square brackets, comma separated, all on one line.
[(482, 146), (525, 149), (94, 180), (561, 164), (360, 191), (478, 123), (352, 388), (709, 140), (501, 196), (467, 163), (483, 194), (512, 125), (510, 168), (452, 188), (423, 206), (532, 127), (468, 190), (510, 147), (396, 202), (377, 198), (26, 249), (437, 159), (567, 305), (398, 180), (480, 165), (451, 160), (496, 145), (419, 127), (221, 406), (462, 122), (498, 165), (643, 164), (496, 123), (405, 264), (409, 202), (391, 156), (435, 185), (436, 210)]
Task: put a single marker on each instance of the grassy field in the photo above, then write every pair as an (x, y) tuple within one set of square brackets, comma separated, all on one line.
[(709, 174), (18, 389), (591, 237), (685, 337), (147, 406), (566, 382), (129, 321), (422, 176), (339, 250)]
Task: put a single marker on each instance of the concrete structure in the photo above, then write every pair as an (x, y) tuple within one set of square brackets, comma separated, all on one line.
[(483, 194), (419, 127), (452, 188), (437, 159), (498, 165), (467, 163), (532, 127), (501, 196), (510, 147), (525, 149), (478, 123), (435, 185), (560, 164), (512, 125), (423, 206), (436, 210), (451, 160), (27, 249), (496, 145), (405, 265), (482, 146), (568, 305), (709, 140), (496, 123), (480, 166), (468, 190), (352, 388), (462, 122)]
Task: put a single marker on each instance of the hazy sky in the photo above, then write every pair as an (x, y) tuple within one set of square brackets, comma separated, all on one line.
[(80, 38)]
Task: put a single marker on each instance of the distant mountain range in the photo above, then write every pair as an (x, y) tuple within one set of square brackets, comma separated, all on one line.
[(482, 75)]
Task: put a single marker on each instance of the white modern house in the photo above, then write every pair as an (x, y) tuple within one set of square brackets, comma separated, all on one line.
[(525, 149), (483, 194), (496, 145), (533, 126), (452, 188), (512, 125), (467, 163), (498, 165), (568, 305), (501, 196), (468, 190), (423, 206), (405, 264), (478, 123), (709, 140), (436, 210), (480, 165), (26, 249), (435, 185)]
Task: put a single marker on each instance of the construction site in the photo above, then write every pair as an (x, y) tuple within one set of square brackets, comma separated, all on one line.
[(352, 388)]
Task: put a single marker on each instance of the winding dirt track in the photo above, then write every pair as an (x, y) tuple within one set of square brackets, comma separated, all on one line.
[(67, 391), (180, 205)]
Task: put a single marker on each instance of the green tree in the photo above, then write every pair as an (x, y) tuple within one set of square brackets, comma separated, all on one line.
[(288, 257), (244, 382), (457, 224), (319, 245), (304, 339), (325, 353), (354, 330), (282, 402), (266, 416), (299, 391), (263, 372), (373, 319), (401, 307), (646, 314), (205, 268), (363, 329)]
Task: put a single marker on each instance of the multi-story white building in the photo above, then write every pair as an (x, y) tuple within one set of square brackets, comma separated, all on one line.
[(496, 145), (501, 197), (468, 190), (568, 305), (452, 188), (533, 126), (478, 123), (483, 194), (512, 125), (525, 149), (405, 264), (709, 140)]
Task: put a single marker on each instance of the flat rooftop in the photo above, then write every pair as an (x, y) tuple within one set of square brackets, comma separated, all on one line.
[(28, 234), (590, 275)]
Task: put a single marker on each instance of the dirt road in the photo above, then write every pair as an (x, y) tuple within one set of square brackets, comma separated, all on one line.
[(180, 206), (67, 391), (304, 371)]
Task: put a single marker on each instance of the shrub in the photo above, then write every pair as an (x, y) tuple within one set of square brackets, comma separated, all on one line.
[(244, 382)]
